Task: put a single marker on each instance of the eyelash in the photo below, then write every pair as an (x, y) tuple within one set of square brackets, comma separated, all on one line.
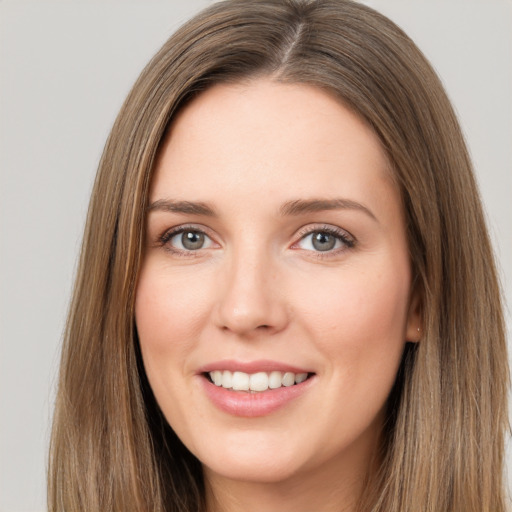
[(343, 236), (347, 240), (170, 234)]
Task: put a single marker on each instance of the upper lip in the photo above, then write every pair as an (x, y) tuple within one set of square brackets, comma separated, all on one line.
[(263, 365)]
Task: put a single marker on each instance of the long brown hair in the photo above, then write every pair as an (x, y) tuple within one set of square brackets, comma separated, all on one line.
[(111, 448)]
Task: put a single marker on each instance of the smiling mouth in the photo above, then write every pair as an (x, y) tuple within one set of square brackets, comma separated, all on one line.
[(255, 382)]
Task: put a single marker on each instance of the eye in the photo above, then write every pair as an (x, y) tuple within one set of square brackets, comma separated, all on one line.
[(325, 240), (185, 240)]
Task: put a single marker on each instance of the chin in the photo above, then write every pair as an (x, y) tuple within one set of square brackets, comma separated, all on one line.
[(257, 470), (257, 459)]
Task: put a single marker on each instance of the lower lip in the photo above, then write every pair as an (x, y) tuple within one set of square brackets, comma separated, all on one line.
[(250, 405)]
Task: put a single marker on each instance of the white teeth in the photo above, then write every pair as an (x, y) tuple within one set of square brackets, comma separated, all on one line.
[(240, 381), (288, 379), (275, 380), (260, 381), (216, 376), (300, 377), (227, 379)]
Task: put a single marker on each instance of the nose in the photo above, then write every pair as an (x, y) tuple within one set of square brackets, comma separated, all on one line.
[(250, 302)]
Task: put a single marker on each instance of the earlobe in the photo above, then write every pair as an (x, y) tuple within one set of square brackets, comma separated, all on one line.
[(414, 318)]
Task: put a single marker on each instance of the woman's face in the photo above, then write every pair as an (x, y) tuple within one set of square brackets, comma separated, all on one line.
[(276, 252)]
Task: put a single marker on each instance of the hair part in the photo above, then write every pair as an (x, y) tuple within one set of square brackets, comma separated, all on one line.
[(111, 448)]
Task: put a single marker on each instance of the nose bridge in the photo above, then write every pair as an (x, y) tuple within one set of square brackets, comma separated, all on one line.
[(250, 300)]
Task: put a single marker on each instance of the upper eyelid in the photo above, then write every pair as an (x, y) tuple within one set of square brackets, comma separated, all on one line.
[(346, 238), (329, 228), (163, 240), (301, 233), (186, 227)]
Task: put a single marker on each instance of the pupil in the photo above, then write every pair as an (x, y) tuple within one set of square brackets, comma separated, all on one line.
[(323, 241), (192, 240)]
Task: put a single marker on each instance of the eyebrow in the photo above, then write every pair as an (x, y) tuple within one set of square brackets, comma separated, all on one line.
[(290, 208), (301, 206), (186, 207)]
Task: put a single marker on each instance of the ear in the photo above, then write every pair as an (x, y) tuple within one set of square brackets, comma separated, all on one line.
[(414, 326)]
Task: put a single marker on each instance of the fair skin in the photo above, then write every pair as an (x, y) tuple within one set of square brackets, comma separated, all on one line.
[(275, 242)]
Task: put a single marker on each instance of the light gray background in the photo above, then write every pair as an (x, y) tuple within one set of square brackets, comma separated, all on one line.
[(65, 68)]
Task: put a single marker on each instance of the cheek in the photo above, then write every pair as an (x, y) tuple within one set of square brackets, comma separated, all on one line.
[(169, 315), (168, 310), (358, 317)]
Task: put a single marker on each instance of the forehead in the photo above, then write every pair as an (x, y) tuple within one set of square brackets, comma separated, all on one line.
[(252, 138)]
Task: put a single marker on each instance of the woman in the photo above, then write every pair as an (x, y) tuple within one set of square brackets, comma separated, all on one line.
[(286, 297)]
